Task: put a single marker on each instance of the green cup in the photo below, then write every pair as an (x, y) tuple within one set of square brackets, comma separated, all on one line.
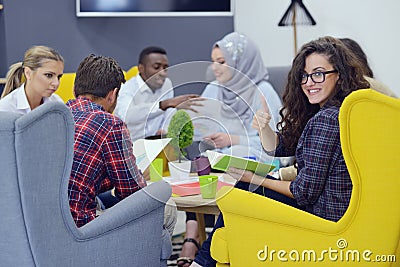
[(156, 170), (208, 185)]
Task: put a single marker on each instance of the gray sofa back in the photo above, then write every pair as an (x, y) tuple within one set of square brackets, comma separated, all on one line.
[(12, 219), (278, 78)]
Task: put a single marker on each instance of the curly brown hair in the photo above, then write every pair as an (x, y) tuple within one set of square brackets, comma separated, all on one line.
[(297, 110)]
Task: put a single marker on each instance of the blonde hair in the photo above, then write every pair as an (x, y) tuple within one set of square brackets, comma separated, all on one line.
[(33, 59)]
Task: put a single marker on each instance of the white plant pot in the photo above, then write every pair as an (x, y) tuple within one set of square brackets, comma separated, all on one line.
[(179, 170)]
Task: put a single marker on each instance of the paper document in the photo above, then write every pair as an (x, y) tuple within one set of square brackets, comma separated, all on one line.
[(222, 162), (146, 150), (207, 119)]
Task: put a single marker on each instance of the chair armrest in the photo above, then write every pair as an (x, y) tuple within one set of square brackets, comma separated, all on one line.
[(166, 247), (237, 201), (129, 209), (219, 246)]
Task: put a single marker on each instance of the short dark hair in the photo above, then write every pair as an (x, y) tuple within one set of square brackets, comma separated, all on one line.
[(97, 76), (150, 50)]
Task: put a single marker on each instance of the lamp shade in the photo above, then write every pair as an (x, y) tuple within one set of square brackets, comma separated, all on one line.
[(297, 13)]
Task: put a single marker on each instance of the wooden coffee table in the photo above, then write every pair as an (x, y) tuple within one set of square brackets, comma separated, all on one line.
[(200, 206)]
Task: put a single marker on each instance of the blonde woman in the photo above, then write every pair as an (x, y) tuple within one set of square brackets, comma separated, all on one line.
[(32, 82)]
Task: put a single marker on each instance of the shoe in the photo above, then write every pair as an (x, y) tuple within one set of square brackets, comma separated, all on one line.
[(186, 261)]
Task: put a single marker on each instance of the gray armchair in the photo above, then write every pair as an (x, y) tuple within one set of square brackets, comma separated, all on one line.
[(278, 78), (36, 226)]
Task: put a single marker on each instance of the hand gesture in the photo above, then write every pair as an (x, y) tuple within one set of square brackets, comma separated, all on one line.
[(182, 102), (245, 176), (187, 102), (219, 140), (262, 117)]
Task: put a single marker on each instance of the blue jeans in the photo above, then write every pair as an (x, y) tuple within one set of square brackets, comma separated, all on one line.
[(203, 256), (107, 200)]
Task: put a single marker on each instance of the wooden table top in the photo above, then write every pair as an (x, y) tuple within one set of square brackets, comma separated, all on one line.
[(194, 200), (196, 203), (200, 206)]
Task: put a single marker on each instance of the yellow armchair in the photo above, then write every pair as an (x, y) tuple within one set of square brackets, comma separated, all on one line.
[(131, 72), (66, 88), (262, 232)]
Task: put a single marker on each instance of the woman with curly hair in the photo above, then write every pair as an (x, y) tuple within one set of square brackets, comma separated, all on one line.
[(323, 73)]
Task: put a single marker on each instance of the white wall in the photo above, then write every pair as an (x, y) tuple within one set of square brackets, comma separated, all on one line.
[(374, 24)]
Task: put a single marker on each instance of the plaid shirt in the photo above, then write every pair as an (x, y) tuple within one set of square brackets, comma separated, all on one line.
[(103, 158), (323, 184)]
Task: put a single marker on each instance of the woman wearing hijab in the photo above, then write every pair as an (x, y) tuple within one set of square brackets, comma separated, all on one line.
[(240, 87), (241, 83)]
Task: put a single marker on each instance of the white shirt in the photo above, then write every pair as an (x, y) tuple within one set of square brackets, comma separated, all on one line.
[(138, 107), (17, 102)]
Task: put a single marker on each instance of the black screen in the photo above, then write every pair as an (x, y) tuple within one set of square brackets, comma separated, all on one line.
[(154, 5)]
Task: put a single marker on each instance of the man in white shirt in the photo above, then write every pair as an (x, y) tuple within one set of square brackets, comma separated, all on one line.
[(146, 101)]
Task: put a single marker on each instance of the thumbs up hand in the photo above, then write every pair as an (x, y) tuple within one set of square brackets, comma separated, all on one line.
[(262, 117)]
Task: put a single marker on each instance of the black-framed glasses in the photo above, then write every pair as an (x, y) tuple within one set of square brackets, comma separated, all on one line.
[(317, 77)]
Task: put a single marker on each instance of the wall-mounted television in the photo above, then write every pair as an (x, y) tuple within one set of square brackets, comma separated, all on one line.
[(143, 8)]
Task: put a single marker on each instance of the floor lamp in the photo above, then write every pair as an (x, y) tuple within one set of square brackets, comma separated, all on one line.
[(296, 14)]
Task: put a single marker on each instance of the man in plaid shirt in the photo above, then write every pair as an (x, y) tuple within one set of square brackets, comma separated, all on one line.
[(103, 156)]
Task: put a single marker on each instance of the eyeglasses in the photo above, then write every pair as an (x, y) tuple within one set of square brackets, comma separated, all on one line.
[(317, 77)]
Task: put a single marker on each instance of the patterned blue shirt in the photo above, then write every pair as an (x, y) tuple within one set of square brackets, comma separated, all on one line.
[(322, 186)]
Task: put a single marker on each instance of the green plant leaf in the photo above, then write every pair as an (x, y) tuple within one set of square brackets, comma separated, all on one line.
[(181, 130)]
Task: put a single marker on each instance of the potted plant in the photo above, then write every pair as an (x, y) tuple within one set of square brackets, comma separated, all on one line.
[(181, 130)]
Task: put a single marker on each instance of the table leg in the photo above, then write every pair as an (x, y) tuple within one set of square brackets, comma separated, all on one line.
[(201, 227)]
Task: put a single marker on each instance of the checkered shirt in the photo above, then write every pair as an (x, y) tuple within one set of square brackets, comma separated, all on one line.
[(103, 158), (322, 186)]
